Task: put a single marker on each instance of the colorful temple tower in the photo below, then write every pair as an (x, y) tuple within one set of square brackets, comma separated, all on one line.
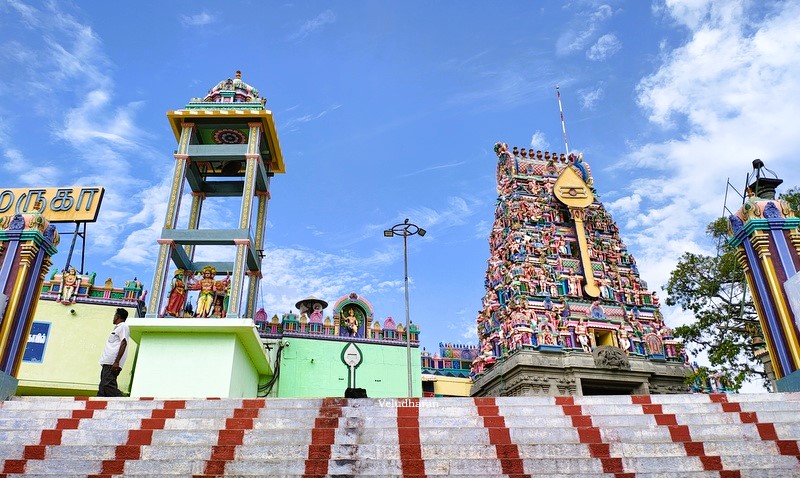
[(565, 311), (27, 241), (766, 234), (228, 149)]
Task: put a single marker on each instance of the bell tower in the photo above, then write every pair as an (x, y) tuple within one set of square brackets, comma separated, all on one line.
[(227, 148)]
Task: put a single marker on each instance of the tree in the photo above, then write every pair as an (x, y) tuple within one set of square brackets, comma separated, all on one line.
[(726, 323)]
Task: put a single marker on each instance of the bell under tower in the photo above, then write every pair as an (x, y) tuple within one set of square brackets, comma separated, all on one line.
[(227, 148)]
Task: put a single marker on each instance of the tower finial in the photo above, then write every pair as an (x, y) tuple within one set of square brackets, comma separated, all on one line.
[(238, 74)]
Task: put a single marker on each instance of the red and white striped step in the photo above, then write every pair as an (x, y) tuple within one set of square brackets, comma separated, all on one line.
[(699, 436)]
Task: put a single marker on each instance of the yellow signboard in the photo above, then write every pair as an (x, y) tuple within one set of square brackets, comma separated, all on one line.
[(79, 204)]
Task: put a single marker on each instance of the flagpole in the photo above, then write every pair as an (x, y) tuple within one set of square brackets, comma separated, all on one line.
[(563, 124)]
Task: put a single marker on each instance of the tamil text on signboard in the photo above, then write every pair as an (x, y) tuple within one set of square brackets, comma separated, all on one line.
[(77, 204)]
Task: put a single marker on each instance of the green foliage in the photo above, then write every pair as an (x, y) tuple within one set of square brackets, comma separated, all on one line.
[(713, 290), (792, 196)]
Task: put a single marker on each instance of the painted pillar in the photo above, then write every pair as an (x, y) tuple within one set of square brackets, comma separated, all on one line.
[(253, 161), (194, 218), (256, 276), (765, 232), (27, 241), (170, 220)]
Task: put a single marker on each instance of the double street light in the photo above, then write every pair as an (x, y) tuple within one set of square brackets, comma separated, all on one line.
[(406, 229)]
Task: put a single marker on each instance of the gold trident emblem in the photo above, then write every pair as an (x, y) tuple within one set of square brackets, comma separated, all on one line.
[(576, 195)]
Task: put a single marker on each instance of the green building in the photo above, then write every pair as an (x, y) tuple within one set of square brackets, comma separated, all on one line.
[(323, 357)]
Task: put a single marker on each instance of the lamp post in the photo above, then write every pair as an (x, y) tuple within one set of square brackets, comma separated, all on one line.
[(406, 229)]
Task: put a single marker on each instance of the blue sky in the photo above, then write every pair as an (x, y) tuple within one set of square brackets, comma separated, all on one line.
[(390, 110)]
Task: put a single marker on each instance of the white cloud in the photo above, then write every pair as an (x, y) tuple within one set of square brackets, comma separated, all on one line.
[(454, 215), (310, 26), (624, 205), (733, 88), (197, 20), (19, 166), (539, 141), (434, 168), (577, 36), (605, 46), (590, 97), (292, 123), (89, 122)]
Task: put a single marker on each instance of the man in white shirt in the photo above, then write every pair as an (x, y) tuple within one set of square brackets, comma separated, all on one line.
[(114, 354)]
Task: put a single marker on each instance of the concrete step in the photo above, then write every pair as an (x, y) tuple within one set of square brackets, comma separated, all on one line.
[(542, 436), (680, 467)]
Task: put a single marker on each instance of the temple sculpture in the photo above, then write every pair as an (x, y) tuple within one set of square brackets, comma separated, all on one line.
[(565, 310)]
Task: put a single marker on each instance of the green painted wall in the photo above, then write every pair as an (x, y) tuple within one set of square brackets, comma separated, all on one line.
[(243, 375), (70, 362), (170, 365), (314, 368)]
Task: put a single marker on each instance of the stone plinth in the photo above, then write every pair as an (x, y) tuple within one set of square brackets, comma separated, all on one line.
[(528, 373), (196, 358)]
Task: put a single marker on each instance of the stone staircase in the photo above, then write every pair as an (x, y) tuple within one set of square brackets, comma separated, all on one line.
[(699, 436)]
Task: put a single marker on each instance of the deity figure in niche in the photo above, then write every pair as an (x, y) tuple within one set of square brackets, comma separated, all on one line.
[(624, 340), (596, 311), (583, 338), (547, 337), (70, 283), (176, 299), (350, 322)]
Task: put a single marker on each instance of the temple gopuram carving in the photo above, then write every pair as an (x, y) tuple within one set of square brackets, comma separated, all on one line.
[(565, 310)]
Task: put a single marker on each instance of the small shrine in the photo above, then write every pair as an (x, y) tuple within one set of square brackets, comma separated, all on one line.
[(447, 373), (565, 310), (309, 348), (69, 287), (352, 319)]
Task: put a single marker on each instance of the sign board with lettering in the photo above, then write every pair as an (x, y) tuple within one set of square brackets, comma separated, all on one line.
[(78, 204), (37, 342)]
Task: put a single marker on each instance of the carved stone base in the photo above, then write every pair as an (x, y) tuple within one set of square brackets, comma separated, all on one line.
[(604, 372)]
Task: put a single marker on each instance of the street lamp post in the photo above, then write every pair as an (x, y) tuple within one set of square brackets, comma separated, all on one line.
[(406, 229)]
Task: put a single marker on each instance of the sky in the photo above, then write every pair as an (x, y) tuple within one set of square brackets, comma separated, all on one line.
[(390, 110)]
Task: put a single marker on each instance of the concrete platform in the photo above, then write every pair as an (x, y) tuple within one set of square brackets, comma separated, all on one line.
[(197, 358)]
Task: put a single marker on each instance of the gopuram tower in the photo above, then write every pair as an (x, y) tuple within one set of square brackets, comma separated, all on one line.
[(565, 311)]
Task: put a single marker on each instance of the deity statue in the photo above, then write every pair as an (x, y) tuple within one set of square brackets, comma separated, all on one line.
[(177, 296), (351, 323), (70, 283), (205, 300), (624, 341), (221, 288), (583, 337), (316, 315)]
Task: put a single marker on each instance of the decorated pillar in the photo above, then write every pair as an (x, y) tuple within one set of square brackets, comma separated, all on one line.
[(27, 242), (766, 234)]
